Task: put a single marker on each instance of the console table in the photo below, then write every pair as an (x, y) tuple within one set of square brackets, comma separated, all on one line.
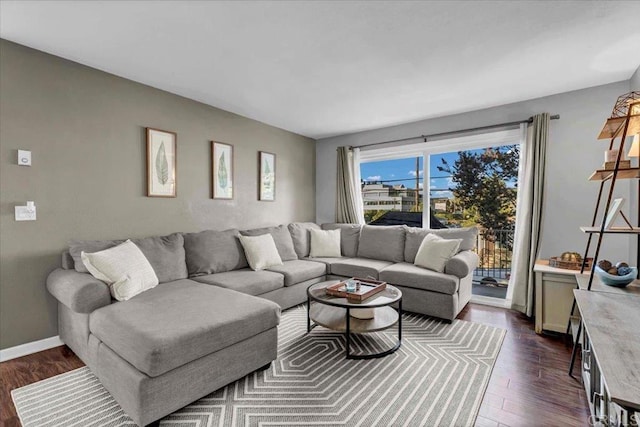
[(611, 351)]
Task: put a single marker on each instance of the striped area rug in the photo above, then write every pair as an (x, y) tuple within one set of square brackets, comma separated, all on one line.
[(438, 377)]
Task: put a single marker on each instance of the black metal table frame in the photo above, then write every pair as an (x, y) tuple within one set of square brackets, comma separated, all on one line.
[(347, 332)]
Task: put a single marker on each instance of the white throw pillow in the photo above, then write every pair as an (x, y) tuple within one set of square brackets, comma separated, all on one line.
[(124, 268), (434, 252), (261, 251), (325, 243)]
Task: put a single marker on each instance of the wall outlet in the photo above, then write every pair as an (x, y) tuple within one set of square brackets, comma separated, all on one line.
[(24, 213), (24, 157)]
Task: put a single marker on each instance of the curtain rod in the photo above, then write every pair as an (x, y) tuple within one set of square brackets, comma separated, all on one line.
[(455, 132)]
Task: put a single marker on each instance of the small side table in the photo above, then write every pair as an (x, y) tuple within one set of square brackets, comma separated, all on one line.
[(554, 296)]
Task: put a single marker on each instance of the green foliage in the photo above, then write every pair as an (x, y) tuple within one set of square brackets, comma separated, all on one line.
[(222, 172), (162, 165), (481, 184), (372, 215)]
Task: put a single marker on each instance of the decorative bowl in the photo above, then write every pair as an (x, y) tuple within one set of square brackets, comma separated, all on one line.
[(571, 257), (617, 281)]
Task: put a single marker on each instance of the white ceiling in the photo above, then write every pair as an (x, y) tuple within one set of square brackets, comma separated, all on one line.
[(328, 68)]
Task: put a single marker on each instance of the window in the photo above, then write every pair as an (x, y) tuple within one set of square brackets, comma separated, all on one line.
[(471, 181), (392, 191)]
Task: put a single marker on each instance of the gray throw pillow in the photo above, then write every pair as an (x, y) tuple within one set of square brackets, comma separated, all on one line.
[(300, 236), (349, 237), (76, 247), (281, 237), (468, 235), (213, 251), (414, 237), (382, 242), (166, 254)]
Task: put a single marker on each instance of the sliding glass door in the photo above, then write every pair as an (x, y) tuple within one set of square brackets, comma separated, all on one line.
[(479, 188), (459, 182)]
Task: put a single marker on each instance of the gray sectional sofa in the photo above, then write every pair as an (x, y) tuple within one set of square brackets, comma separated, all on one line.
[(212, 320)]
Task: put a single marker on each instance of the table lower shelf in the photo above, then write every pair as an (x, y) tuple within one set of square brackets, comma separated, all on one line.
[(334, 318)]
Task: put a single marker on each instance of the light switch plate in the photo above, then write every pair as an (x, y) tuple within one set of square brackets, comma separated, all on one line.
[(24, 157), (24, 214)]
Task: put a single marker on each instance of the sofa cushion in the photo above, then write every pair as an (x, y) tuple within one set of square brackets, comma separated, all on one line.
[(166, 254), (412, 276), (246, 281), (213, 251), (327, 261), (300, 235), (76, 247), (178, 322), (467, 234), (382, 242), (124, 268), (359, 267), (349, 237), (261, 251), (281, 237), (414, 237), (297, 271), (325, 244), (434, 252)]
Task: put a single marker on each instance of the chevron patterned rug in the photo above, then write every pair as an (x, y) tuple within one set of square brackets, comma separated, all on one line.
[(438, 377)]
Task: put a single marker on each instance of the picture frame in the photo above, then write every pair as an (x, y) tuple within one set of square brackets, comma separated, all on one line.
[(161, 163), (613, 213), (222, 170), (267, 176)]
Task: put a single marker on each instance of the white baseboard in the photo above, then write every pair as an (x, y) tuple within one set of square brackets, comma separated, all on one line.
[(29, 348), (494, 302)]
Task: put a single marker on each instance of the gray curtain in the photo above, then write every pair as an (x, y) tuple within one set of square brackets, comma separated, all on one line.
[(349, 208), (529, 214)]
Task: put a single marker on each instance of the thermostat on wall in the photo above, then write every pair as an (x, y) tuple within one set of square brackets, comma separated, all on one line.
[(24, 157)]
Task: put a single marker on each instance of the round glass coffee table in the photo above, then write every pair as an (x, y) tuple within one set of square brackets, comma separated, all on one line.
[(335, 313)]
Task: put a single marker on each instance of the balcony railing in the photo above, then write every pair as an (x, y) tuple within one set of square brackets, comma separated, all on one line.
[(494, 247)]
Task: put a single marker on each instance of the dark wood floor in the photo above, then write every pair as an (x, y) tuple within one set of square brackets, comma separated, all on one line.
[(529, 385), (29, 369)]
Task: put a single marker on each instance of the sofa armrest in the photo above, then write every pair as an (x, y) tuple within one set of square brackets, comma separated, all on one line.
[(462, 264), (81, 292)]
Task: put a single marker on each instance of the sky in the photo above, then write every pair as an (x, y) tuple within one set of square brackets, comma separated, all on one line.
[(403, 171)]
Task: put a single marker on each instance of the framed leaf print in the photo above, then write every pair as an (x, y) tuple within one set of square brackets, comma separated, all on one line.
[(161, 163), (222, 161), (267, 176)]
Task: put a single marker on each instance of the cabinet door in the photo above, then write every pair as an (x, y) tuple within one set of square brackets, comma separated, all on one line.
[(557, 299)]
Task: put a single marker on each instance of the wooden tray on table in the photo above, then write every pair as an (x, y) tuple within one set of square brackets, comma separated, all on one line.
[(365, 288)]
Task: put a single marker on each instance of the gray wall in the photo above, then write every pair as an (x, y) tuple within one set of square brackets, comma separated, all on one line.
[(573, 154), (635, 80), (86, 132)]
